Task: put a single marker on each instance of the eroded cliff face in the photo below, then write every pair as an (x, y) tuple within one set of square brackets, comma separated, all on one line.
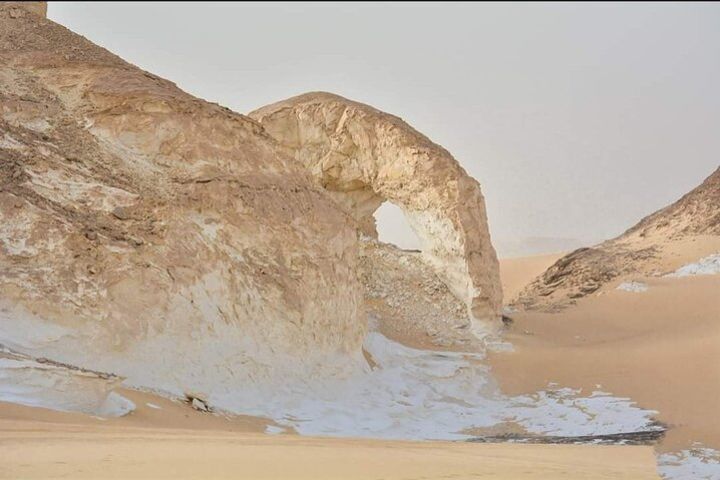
[(680, 233), (184, 247), (150, 234), (363, 157)]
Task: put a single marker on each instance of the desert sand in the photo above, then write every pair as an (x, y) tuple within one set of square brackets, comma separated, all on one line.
[(660, 347), (162, 438), (38, 443), (516, 273), (176, 441)]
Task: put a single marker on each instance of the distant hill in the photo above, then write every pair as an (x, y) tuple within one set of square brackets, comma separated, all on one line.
[(682, 232)]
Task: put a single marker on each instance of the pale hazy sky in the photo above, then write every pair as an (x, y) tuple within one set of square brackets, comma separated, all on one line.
[(577, 119)]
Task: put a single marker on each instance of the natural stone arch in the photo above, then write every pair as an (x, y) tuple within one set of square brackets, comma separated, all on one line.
[(363, 157)]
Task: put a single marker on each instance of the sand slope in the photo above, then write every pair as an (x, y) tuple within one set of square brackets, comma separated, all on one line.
[(516, 273), (660, 347)]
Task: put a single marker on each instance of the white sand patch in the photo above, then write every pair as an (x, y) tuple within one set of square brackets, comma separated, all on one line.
[(115, 405), (499, 346), (706, 266), (632, 287), (697, 463), (411, 394), (274, 430), (417, 394)]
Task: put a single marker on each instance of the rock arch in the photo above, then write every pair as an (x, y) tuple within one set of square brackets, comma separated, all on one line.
[(364, 157)]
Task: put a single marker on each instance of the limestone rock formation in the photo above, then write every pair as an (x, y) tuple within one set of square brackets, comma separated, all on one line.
[(364, 157), (409, 302), (154, 235), (181, 246), (696, 213), (682, 232), (39, 382)]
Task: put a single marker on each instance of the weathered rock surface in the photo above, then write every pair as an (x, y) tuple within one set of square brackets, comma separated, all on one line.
[(696, 213), (364, 157), (409, 302), (37, 8), (154, 235), (39, 382), (656, 245), (179, 245)]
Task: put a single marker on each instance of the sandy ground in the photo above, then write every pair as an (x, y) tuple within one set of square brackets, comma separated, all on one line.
[(175, 441), (515, 273), (40, 449), (660, 347), (169, 415)]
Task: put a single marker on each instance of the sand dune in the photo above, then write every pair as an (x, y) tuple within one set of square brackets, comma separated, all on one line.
[(516, 273)]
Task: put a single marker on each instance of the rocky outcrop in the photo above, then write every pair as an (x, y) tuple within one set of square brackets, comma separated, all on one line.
[(151, 234), (696, 213), (409, 302), (363, 157), (656, 245), (39, 382), (184, 247)]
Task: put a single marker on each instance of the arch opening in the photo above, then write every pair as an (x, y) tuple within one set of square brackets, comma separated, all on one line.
[(393, 227)]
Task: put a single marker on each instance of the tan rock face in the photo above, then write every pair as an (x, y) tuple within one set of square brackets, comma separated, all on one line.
[(37, 8), (407, 301), (364, 157), (175, 243), (696, 213), (151, 234)]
